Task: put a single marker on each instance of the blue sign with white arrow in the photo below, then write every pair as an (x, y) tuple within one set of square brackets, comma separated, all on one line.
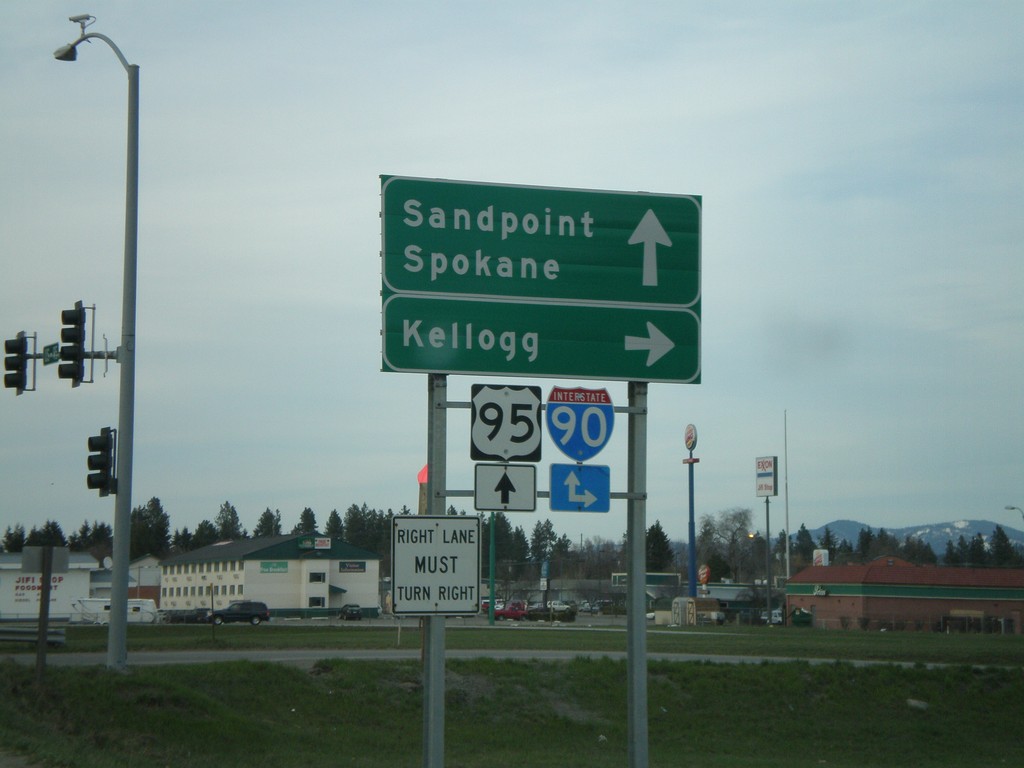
[(580, 488)]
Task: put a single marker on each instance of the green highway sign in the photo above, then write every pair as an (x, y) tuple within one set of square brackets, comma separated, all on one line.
[(497, 279), (442, 334), (550, 244)]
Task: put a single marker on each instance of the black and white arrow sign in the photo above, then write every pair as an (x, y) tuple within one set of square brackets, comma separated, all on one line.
[(505, 488)]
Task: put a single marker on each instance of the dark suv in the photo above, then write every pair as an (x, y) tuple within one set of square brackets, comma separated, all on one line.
[(246, 610)]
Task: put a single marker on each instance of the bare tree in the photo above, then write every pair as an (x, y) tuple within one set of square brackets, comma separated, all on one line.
[(725, 538)]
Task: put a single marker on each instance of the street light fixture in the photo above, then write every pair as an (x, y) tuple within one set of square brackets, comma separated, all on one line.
[(1011, 508), (117, 647)]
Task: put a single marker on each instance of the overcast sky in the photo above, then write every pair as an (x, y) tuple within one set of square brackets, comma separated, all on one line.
[(861, 168)]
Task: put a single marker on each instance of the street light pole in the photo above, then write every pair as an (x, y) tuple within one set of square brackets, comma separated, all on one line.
[(1011, 508), (117, 645)]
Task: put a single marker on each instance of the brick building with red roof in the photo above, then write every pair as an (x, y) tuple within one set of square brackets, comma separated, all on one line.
[(890, 593)]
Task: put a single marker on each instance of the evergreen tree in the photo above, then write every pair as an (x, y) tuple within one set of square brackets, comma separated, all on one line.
[(562, 548), (307, 522), (885, 544), (542, 541), (915, 550), (977, 552), (182, 540), (96, 539), (520, 549), (269, 524), (1003, 553), (503, 538), (485, 545), (963, 551), (844, 552), (229, 526), (828, 542), (503, 541), (358, 526), (952, 557), (803, 547), (718, 567), (150, 530), (660, 557), (83, 534), (779, 548), (205, 535), (865, 544), (706, 543), (334, 528), (14, 538), (51, 534)]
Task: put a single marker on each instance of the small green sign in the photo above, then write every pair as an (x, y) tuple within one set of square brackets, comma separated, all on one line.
[(51, 354), (273, 566), (454, 335)]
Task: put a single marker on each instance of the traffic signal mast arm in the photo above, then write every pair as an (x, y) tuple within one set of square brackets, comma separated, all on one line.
[(71, 352)]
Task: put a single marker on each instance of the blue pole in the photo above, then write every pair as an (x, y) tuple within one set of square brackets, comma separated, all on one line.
[(691, 572)]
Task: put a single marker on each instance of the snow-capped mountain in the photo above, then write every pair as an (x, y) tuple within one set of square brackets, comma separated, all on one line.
[(936, 535)]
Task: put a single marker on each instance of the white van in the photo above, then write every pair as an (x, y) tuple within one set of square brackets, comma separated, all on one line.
[(96, 610)]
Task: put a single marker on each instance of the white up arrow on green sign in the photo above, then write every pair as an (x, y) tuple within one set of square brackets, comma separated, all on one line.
[(472, 239)]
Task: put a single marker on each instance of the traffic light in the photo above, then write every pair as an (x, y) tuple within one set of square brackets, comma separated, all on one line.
[(101, 462), (16, 363), (72, 350)]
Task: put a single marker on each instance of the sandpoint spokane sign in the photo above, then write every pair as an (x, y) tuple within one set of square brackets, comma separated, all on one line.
[(497, 279)]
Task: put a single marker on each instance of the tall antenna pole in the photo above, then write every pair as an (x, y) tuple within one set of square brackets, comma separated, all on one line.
[(785, 458)]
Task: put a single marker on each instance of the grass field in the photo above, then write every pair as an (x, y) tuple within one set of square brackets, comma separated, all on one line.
[(784, 642), (528, 713)]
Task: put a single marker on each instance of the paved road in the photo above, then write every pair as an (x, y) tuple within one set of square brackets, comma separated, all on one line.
[(307, 658)]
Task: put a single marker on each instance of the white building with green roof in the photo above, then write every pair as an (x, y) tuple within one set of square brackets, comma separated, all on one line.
[(301, 575)]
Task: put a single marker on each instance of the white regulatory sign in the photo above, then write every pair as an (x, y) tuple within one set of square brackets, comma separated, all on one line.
[(435, 565), (505, 423), (505, 488)]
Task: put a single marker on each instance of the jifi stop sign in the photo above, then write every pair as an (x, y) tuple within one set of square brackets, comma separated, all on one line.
[(580, 420)]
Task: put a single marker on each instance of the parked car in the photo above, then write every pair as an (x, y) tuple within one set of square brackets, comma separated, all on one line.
[(515, 610), (776, 616), (351, 612), (242, 610)]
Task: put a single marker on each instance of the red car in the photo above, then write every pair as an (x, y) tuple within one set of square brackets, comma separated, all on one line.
[(513, 609)]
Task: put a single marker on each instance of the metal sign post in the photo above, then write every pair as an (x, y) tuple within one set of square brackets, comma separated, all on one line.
[(433, 626), (767, 486), (636, 596), (690, 438)]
